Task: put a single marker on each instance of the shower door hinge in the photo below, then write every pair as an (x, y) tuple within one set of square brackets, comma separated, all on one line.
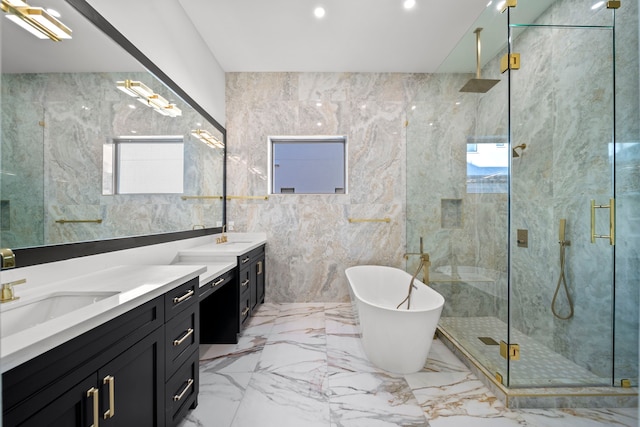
[(499, 378), (508, 4), (510, 61), (626, 383), (511, 351), (613, 5)]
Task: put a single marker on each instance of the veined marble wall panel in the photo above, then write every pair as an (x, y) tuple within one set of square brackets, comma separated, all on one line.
[(311, 241)]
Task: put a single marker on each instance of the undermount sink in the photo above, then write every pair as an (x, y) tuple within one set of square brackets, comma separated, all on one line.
[(21, 315)]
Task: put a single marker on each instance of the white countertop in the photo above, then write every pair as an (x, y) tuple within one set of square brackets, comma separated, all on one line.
[(213, 269), (132, 286), (237, 244), (135, 285)]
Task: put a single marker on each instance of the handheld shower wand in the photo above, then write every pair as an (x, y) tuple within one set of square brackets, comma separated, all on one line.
[(562, 280)]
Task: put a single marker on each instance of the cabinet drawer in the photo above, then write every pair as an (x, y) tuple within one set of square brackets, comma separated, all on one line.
[(181, 298), (215, 284), (181, 391), (181, 338)]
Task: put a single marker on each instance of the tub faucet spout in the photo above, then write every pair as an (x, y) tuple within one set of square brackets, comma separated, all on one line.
[(425, 262)]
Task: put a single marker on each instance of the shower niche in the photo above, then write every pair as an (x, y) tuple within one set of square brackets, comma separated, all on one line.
[(561, 140)]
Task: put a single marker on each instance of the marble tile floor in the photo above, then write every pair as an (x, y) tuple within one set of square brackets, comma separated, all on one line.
[(303, 365), (539, 366)]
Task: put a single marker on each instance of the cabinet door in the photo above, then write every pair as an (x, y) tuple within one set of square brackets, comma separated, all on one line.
[(131, 385), (260, 279), (72, 408)]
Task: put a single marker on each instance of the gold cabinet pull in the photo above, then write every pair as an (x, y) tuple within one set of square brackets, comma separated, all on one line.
[(187, 334), (178, 397), (245, 283), (217, 282), (612, 221), (259, 267), (184, 297), (95, 394), (245, 311), (109, 379)]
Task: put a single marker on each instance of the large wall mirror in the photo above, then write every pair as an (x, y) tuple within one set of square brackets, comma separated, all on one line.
[(94, 146)]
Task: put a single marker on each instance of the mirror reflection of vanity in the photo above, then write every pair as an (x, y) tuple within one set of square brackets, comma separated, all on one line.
[(95, 148)]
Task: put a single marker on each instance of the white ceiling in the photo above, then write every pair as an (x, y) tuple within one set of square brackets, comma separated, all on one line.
[(354, 35), (285, 36)]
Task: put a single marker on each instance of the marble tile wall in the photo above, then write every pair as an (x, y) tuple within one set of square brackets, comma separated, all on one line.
[(63, 176), (311, 242)]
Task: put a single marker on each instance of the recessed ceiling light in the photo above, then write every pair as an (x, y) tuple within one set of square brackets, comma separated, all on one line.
[(319, 123), (409, 4), (319, 12)]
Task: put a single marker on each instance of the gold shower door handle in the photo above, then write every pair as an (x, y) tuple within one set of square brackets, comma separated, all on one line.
[(612, 222)]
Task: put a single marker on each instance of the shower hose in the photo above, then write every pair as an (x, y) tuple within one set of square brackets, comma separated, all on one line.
[(411, 286), (562, 281)]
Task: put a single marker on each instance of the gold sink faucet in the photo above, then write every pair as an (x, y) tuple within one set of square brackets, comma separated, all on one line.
[(223, 237), (7, 290)]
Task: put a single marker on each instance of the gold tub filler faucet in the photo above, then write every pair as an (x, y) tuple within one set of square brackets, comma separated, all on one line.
[(424, 265)]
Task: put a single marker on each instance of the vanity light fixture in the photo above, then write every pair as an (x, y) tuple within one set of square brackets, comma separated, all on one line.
[(206, 137), (36, 20), (146, 96)]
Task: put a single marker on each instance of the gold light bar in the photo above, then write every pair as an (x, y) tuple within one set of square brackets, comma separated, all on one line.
[(145, 95), (36, 20), (206, 137)]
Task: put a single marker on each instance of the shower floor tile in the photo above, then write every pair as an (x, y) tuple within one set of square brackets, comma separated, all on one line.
[(539, 366), (290, 370)]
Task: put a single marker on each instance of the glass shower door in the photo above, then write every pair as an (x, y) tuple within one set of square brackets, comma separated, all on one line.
[(561, 205)]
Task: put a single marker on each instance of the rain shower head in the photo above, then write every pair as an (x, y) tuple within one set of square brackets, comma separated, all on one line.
[(514, 153), (478, 85)]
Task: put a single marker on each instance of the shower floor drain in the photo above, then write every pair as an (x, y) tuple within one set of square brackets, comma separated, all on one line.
[(488, 341)]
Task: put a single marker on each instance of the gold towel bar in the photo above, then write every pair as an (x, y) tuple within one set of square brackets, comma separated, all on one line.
[(201, 197), (248, 197), (352, 220), (75, 221), (227, 197)]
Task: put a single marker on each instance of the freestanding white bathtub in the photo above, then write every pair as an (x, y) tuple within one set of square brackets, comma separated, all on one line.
[(396, 340)]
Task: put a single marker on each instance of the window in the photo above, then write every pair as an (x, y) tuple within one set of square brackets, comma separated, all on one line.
[(308, 165), (144, 165), (487, 165)]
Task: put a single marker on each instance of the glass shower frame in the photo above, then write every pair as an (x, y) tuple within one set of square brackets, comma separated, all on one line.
[(473, 240)]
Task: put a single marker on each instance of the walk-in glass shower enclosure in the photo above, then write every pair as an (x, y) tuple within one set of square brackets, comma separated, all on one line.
[(527, 194)]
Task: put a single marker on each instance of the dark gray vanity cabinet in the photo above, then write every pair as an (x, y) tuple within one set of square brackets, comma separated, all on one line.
[(114, 374), (251, 266)]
